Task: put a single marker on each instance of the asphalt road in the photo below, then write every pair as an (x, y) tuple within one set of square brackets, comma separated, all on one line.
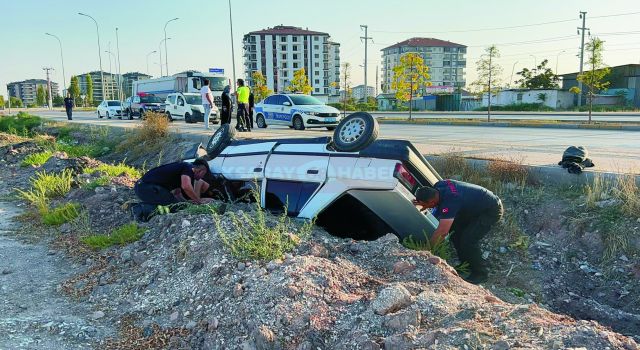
[(611, 150), (563, 116)]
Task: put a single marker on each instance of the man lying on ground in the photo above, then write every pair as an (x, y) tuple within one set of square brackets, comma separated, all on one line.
[(173, 183)]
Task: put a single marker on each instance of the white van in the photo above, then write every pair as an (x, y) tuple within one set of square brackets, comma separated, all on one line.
[(188, 106)]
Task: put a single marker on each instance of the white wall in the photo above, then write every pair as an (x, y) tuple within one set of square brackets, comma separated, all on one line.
[(554, 98)]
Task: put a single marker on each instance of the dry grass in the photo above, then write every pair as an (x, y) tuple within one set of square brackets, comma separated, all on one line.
[(627, 191), (148, 137), (509, 171)]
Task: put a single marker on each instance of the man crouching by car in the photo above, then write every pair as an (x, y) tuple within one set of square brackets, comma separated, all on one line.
[(171, 183)]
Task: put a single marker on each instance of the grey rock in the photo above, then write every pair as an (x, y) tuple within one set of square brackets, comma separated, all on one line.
[(502, 250), (272, 265), (191, 325), (368, 345), (391, 299), (185, 223), (398, 342), (400, 321), (125, 255), (97, 315), (139, 258), (607, 203), (175, 316), (147, 331), (241, 266), (7, 271), (501, 345), (213, 324), (264, 338)]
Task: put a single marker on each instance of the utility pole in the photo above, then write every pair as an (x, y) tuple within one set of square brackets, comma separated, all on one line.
[(64, 79), (489, 104), (366, 41), (50, 102), (120, 96), (99, 53), (110, 84), (581, 30), (233, 55), (166, 53), (376, 90)]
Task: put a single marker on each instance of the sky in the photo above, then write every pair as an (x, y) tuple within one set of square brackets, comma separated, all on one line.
[(525, 32)]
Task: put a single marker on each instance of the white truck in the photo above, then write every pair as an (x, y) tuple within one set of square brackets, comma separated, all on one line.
[(185, 82)]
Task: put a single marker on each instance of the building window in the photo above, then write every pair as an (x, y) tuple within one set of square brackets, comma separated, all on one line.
[(295, 64), (284, 64), (316, 73), (284, 56), (295, 39), (315, 38), (283, 47), (295, 47), (295, 56), (284, 73), (317, 64), (316, 56), (317, 90), (283, 39), (316, 47)]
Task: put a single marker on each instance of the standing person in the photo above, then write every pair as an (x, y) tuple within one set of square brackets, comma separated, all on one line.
[(68, 106), (207, 102), (242, 94), (225, 117), (469, 211), (252, 104)]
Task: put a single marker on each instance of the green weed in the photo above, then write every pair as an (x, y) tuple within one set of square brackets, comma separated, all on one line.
[(251, 237), (46, 186), (516, 292), (20, 124), (36, 159), (442, 249), (99, 182), (194, 209), (115, 170), (123, 235), (62, 214)]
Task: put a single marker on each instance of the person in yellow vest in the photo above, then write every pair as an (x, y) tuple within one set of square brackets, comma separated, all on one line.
[(243, 107)]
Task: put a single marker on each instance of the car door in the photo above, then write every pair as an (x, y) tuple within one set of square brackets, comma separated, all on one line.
[(181, 106), (268, 109), (135, 105), (285, 109)]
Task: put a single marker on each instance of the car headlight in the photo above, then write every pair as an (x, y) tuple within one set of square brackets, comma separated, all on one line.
[(315, 114)]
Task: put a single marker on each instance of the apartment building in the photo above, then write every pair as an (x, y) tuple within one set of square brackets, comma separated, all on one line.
[(26, 90), (110, 85), (129, 78), (280, 51), (360, 92), (446, 61)]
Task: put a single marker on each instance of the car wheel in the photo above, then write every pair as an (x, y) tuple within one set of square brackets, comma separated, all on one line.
[(99, 116), (298, 124), (141, 114), (331, 128), (260, 122), (355, 132), (108, 116), (187, 118), (220, 139)]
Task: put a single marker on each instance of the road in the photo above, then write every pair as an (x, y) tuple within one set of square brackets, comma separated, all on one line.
[(611, 150)]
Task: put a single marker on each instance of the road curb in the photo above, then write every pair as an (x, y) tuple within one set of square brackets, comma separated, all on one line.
[(502, 124), (553, 175)]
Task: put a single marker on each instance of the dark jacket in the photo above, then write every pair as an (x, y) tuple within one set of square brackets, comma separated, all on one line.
[(68, 102), (226, 102)]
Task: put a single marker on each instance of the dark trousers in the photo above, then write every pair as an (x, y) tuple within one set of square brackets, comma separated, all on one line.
[(225, 116), (242, 120), (251, 116), (69, 113), (154, 194), (467, 234)]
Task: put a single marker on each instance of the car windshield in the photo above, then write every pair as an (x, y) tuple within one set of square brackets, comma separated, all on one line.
[(304, 100), (217, 83), (150, 99), (193, 99), (113, 103)]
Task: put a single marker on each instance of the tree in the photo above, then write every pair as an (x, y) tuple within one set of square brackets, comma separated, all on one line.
[(594, 78), (40, 96), (74, 88), (260, 89), (488, 74), (15, 102), (58, 101), (299, 83), (1, 101), (540, 77), (346, 85), (89, 89), (409, 76)]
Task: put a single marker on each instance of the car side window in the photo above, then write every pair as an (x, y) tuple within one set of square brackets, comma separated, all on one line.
[(270, 100), (172, 99), (292, 194), (284, 99), (180, 101), (136, 99)]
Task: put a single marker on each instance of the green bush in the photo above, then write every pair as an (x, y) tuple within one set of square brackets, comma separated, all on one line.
[(19, 124), (114, 170), (45, 186), (99, 182), (62, 214), (251, 237), (36, 159), (123, 235)]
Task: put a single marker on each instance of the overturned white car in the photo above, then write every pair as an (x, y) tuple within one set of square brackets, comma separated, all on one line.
[(352, 184)]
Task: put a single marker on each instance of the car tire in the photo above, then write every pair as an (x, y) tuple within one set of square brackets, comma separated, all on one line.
[(141, 114), (187, 118), (355, 132), (99, 116), (298, 123), (220, 139), (108, 116), (169, 117), (260, 122), (331, 128)]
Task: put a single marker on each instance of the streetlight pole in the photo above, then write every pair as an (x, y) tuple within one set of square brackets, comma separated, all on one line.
[(120, 96), (166, 53), (64, 80), (512, 69), (160, 51), (114, 58), (535, 62), (233, 55), (557, 57), (149, 54), (99, 52)]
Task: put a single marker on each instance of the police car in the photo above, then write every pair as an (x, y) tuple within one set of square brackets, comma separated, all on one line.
[(353, 184), (297, 111)]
